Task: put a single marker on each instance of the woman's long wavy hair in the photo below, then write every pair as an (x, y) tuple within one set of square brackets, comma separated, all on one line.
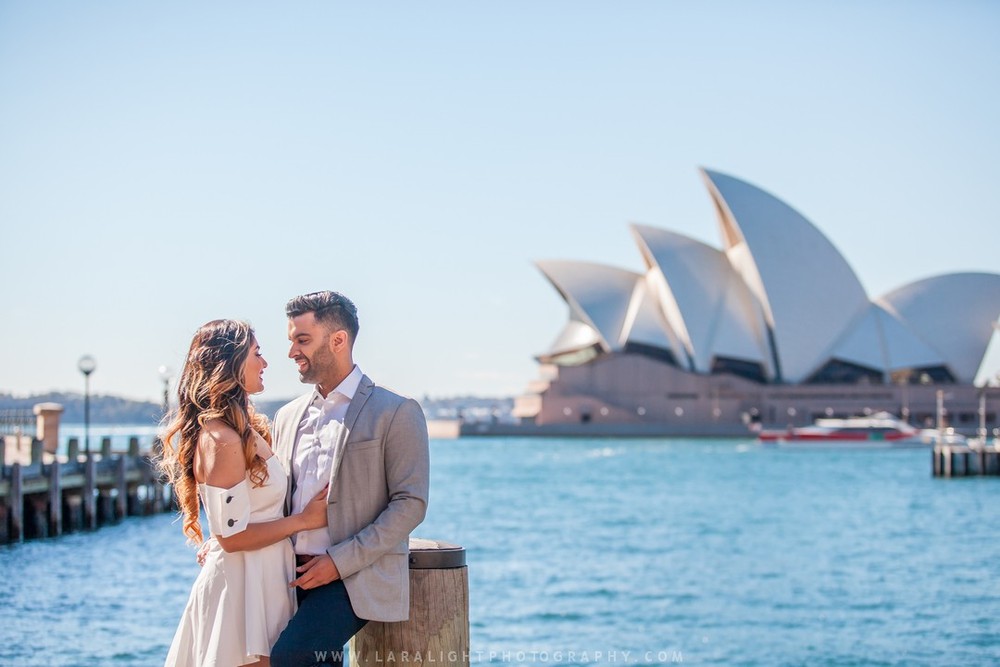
[(211, 387)]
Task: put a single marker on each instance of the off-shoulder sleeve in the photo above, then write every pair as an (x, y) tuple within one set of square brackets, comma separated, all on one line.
[(228, 510)]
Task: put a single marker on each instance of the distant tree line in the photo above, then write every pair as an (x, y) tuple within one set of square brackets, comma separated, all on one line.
[(103, 409), (106, 409)]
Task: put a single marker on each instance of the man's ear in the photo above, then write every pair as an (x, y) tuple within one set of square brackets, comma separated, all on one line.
[(338, 341)]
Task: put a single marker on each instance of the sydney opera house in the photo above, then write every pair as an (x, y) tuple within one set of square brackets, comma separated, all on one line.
[(772, 327)]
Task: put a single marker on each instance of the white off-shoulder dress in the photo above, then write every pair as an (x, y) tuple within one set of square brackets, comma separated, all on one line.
[(240, 601)]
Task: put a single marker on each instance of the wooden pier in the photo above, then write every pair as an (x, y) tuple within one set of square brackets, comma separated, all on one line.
[(43, 495), (966, 460)]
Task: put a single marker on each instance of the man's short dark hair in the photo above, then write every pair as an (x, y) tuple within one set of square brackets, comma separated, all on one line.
[(331, 309)]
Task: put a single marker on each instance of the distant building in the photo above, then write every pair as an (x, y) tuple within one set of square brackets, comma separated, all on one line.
[(774, 327)]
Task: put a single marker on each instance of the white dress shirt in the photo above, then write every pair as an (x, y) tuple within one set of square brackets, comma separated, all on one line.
[(313, 462)]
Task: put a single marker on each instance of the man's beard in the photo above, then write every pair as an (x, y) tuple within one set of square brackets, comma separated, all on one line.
[(321, 362)]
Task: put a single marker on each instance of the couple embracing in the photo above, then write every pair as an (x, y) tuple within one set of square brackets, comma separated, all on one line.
[(309, 521)]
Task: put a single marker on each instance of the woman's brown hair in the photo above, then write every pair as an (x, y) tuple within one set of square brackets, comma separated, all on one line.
[(211, 387)]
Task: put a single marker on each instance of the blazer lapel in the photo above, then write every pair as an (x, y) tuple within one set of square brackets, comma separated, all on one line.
[(353, 410), (289, 443), (360, 396)]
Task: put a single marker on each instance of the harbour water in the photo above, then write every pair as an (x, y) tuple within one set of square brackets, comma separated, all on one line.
[(605, 551)]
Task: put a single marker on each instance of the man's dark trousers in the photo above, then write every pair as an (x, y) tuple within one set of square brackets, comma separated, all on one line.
[(318, 631)]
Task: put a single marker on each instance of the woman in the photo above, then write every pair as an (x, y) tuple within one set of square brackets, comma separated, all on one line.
[(217, 452)]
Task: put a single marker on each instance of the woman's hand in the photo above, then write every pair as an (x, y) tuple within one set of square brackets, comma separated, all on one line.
[(314, 514), (203, 550)]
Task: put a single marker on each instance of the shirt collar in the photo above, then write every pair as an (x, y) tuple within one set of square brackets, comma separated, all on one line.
[(347, 387)]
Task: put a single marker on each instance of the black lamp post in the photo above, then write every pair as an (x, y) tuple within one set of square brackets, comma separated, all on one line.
[(87, 365)]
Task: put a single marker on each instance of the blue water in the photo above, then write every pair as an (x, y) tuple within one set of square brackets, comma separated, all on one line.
[(612, 552), (118, 433)]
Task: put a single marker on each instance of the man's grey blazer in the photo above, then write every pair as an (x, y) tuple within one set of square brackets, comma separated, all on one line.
[(378, 494)]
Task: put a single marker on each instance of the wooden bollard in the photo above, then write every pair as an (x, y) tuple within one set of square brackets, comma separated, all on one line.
[(121, 498), (154, 492), (105, 448), (36, 515), (73, 511), (55, 499), (37, 449), (133, 447), (72, 450), (437, 631), (15, 500), (89, 506)]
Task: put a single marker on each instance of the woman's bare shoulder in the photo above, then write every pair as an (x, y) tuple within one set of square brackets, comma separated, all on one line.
[(217, 434)]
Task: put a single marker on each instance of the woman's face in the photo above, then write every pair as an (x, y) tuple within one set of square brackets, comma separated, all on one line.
[(253, 370)]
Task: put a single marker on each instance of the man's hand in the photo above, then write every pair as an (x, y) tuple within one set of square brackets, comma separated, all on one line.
[(316, 572)]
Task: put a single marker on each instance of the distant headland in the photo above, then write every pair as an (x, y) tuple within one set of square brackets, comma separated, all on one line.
[(109, 409)]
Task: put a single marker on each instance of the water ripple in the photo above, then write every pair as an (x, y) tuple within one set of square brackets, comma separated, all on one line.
[(720, 551)]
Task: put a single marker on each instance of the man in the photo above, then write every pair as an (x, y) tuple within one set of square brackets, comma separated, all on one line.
[(370, 446)]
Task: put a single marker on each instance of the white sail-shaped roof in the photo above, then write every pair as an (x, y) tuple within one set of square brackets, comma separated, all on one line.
[(598, 296), (644, 322), (778, 296), (877, 340), (808, 292), (575, 336), (706, 303), (954, 314)]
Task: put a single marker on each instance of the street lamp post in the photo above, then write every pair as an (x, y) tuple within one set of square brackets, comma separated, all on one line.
[(87, 365), (165, 373)]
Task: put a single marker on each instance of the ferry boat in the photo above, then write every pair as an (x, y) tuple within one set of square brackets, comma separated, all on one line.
[(878, 430)]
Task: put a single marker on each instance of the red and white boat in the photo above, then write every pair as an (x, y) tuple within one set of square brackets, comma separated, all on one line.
[(879, 430)]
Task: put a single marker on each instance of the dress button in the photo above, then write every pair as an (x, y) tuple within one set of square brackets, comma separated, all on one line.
[(229, 499), (231, 522)]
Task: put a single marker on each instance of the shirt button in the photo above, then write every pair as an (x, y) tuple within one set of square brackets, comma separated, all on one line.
[(232, 522)]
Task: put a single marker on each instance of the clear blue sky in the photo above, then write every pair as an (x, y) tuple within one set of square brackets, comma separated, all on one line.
[(163, 164)]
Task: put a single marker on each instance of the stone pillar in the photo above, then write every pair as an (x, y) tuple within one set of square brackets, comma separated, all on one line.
[(47, 425)]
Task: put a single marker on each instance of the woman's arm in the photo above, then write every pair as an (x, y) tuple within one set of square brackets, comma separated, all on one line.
[(264, 533), (224, 467)]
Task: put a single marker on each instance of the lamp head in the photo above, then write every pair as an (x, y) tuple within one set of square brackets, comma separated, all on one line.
[(87, 364)]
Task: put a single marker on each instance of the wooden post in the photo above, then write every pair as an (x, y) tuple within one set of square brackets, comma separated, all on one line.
[(148, 482), (437, 631), (89, 507), (37, 448), (121, 502), (154, 491), (15, 500), (55, 499), (105, 448), (133, 447), (36, 510), (73, 512), (73, 451)]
